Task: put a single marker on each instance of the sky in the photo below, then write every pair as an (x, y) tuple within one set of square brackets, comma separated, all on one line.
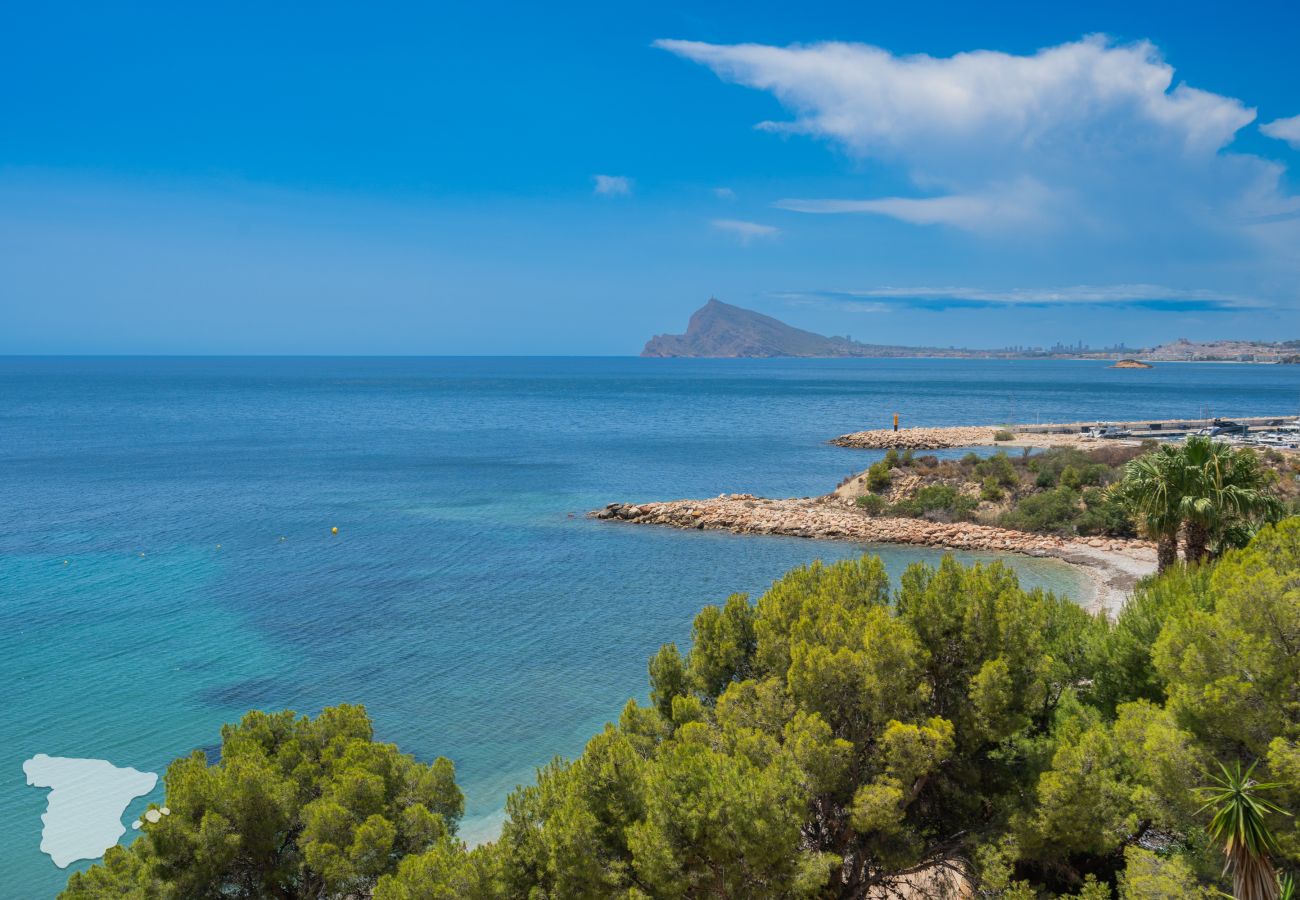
[(524, 178)]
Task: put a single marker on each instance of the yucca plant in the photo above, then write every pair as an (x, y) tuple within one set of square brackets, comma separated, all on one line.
[(1238, 825)]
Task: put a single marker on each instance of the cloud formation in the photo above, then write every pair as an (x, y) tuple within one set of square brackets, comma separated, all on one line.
[(612, 185), (745, 232), (1284, 130), (1092, 139), (724, 193), (1139, 296)]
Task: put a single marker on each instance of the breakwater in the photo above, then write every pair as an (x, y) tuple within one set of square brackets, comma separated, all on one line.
[(1113, 564), (946, 438)]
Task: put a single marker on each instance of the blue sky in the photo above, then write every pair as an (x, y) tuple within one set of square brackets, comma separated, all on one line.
[(526, 178)]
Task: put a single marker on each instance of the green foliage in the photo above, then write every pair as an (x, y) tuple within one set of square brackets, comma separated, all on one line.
[(874, 504), (1104, 513), (1057, 510), (835, 739), (1078, 477), (829, 744), (1233, 672), (296, 808), (1004, 434), (1216, 495), (1151, 876), (879, 475), (991, 490), (999, 469), (1128, 672), (936, 501)]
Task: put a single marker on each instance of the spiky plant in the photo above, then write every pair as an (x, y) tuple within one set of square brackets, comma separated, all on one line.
[(1238, 825)]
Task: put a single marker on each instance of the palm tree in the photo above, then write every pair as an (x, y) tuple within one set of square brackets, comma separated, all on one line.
[(1224, 494), (1238, 824), (1152, 488), (1216, 494)]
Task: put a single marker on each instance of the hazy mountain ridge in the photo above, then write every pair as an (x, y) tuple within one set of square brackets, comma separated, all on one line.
[(720, 330)]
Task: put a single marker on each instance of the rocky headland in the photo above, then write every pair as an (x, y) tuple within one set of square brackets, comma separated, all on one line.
[(1114, 565)]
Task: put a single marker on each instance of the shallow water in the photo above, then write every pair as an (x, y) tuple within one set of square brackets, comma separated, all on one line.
[(466, 600)]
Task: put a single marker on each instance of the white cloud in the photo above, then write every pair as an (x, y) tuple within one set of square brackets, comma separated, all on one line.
[(612, 185), (724, 193), (1010, 206), (1147, 295), (876, 103), (1284, 130), (745, 232), (1090, 140)]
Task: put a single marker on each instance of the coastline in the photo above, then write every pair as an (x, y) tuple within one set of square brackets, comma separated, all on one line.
[(1040, 435), (1111, 565)]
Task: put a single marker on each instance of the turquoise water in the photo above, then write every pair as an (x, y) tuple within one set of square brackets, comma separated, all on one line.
[(465, 600)]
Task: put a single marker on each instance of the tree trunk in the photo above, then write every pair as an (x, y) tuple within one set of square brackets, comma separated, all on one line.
[(1196, 542), (1166, 551)]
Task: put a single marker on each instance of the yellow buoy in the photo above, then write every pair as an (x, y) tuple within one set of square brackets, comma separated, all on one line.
[(334, 530)]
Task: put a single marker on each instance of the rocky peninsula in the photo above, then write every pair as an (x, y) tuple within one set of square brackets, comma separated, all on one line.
[(1113, 565)]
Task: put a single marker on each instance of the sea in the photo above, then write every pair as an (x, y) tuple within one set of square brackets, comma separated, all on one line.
[(168, 558)]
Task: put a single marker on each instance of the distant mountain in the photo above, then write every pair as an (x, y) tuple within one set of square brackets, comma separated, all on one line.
[(719, 329)]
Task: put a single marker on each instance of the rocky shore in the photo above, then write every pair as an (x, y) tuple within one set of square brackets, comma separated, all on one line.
[(919, 438), (1114, 565)]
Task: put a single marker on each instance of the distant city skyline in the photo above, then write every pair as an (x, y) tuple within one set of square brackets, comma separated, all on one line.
[(571, 180)]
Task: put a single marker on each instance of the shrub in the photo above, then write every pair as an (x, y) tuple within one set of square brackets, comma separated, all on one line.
[(934, 501), (1104, 514), (1051, 511), (873, 504), (891, 458), (878, 476), (1089, 475), (991, 490), (999, 468), (1003, 434)]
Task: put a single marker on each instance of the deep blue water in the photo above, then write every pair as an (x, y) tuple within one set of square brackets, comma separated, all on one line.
[(465, 600)]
